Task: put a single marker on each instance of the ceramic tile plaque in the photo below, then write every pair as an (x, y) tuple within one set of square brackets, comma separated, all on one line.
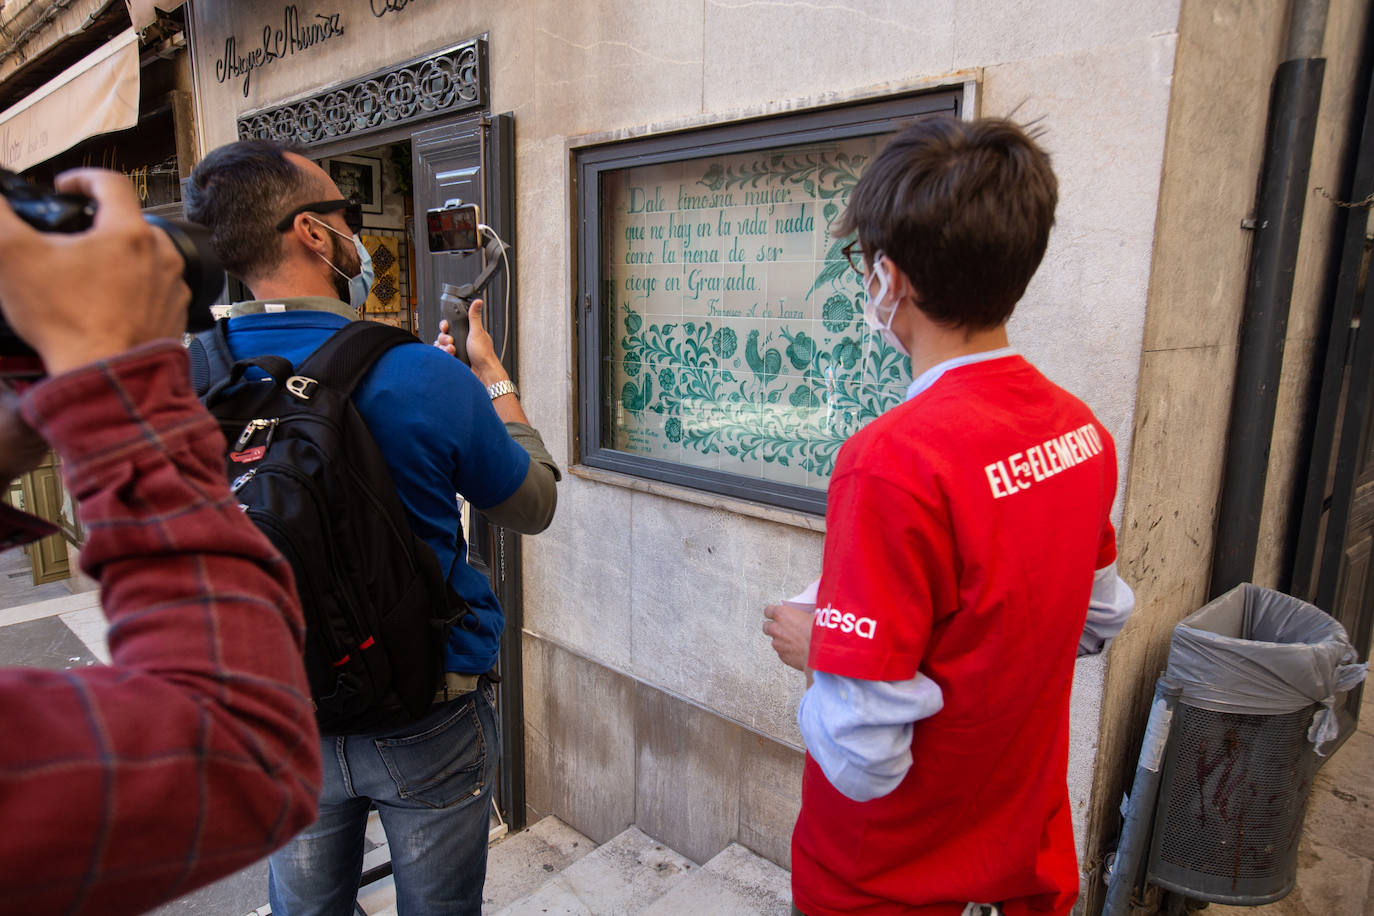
[(736, 337)]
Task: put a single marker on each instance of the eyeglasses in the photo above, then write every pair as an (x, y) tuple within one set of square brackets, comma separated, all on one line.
[(352, 213), (854, 254)]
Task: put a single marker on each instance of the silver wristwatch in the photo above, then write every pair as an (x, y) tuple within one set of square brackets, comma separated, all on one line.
[(505, 386)]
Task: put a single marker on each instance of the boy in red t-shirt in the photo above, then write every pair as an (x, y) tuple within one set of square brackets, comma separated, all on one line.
[(969, 557)]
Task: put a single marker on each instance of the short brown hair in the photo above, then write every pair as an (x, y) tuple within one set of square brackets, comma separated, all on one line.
[(239, 191), (964, 208)]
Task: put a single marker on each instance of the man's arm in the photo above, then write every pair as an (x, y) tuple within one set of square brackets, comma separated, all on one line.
[(530, 509), (860, 731), (1111, 603), (194, 753)]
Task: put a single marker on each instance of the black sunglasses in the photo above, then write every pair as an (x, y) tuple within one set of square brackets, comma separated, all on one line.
[(352, 213)]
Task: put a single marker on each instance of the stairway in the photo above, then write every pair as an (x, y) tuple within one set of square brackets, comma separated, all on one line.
[(550, 869)]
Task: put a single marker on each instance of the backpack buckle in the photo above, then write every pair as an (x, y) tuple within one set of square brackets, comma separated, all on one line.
[(248, 432), (301, 386)]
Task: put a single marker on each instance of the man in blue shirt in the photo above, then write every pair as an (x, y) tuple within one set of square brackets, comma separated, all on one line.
[(281, 225)]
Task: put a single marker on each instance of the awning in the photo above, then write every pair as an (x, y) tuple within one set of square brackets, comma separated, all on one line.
[(96, 95)]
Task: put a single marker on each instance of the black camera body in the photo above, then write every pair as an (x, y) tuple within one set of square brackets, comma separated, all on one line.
[(51, 211)]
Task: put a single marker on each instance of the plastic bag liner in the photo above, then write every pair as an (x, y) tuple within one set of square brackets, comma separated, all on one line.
[(1261, 652)]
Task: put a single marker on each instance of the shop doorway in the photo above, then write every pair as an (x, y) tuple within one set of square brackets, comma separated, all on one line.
[(378, 178)]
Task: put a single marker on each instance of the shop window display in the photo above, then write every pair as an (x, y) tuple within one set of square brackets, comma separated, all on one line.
[(731, 349)]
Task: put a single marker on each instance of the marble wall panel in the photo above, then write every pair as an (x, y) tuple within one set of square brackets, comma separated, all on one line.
[(770, 797), (543, 269), (578, 576), (1085, 717), (987, 32), (579, 740), (1082, 318), (357, 42), (791, 49), (687, 776), (699, 588), (616, 64)]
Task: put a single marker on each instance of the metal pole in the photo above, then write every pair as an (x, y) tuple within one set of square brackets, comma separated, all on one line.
[(1294, 103), (1132, 850)]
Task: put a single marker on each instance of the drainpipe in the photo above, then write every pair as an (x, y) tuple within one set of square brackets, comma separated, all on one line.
[(1293, 104)]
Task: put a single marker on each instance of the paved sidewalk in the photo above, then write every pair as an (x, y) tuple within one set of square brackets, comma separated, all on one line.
[(1336, 855)]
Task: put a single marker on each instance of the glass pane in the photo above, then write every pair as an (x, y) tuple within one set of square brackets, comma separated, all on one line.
[(736, 336)]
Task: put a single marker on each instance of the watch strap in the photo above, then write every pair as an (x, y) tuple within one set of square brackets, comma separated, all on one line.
[(505, 386)]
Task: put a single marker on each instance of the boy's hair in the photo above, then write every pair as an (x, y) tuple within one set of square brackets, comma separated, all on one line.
[(240, 191), (964, 208)]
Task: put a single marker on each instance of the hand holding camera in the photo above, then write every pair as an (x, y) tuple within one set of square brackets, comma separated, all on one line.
[(100, 278)]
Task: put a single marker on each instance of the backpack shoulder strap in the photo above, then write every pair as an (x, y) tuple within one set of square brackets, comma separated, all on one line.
[(341, 361), (211, 359)]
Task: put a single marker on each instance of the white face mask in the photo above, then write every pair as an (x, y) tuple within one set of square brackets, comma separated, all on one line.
[(361, 284), (874, 315)]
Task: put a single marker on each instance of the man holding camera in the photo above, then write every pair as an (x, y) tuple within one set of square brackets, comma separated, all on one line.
[(193, 753), (281, 225)]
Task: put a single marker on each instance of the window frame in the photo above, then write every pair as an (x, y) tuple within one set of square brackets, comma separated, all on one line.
[(590, 162)]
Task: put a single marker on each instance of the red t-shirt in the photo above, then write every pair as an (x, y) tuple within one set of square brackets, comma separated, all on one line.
[(962, 531)]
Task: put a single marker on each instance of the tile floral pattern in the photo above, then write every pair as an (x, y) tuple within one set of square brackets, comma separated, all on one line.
[(736, 337), (386, 263)]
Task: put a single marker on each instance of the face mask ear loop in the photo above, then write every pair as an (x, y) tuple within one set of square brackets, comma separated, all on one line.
[(332, 266), (863, 366), (884, 287)]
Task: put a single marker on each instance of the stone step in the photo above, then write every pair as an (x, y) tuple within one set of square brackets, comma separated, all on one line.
[(621, 877), (524, 862), (735, 882)]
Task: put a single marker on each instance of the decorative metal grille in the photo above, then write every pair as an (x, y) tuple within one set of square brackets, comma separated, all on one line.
[(450, 81)]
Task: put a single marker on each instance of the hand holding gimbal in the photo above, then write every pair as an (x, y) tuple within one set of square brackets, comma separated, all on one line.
[(454, 301)]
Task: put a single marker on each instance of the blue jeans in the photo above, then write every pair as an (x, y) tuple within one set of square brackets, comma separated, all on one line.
[(431, 783)]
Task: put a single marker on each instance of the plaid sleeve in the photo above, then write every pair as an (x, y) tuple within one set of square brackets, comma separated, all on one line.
[(195, 752)]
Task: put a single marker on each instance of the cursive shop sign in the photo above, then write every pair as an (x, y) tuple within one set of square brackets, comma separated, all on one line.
[(294, 34), (381, 7)]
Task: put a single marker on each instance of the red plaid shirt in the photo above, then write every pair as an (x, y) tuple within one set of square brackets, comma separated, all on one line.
[(195, 753)]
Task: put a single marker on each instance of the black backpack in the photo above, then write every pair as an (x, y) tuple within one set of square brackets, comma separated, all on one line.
[(306, 469)]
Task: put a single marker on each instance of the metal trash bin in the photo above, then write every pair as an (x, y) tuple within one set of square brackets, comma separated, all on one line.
[(1259, 672)]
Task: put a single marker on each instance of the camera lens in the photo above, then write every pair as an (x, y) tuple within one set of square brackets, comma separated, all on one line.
[(204, 273)]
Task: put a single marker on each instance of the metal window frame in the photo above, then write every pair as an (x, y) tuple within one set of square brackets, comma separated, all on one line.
[(591, 162)]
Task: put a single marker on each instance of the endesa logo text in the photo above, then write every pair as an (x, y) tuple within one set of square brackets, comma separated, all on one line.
[(834, 619)]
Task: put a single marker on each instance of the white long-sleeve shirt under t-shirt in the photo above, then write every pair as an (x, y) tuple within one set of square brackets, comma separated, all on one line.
[(859, 731)]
